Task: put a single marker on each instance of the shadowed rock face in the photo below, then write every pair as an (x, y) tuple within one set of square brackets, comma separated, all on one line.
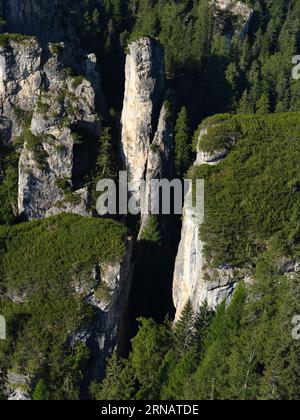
[(241, 13), (46, 19), (109, 329)]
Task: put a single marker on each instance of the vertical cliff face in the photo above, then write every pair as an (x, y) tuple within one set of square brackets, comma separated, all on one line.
[(65, 105), (147, 131), (49, 19), (194, 278), (20, 75), (144, 91), (239, 12), (44, 108)]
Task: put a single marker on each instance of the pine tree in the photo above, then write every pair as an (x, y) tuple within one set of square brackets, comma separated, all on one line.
[(211, 378), (105, 167), (148, 22), (202, 323), (41, 391), (2, 24), (118, 384), (245, 104), (149, 349), (203, 31), (105, 164), (96, 19), (184, 330), (151, 231), (263, 105), (182, 144), (232, 77), (179, 380)]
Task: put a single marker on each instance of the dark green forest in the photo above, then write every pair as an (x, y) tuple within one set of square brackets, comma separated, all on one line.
[(212, 66), (238, 85)]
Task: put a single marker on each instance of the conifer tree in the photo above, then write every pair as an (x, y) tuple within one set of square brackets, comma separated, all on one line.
[(245, 104), (184, 329), (41, 391), (118, 384), (2, 24), (149, 349), (105, 165), (203, 32), (178, 382), (151, 231), (263, 105), (202, 323), (182, 143)]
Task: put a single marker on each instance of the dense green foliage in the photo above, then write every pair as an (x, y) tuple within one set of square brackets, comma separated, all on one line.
[(182, 143), (244, 352), (41, 264), (6, 38), (253, 196), (213, 64)]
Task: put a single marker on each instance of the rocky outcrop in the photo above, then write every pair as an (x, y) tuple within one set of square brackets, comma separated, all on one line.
[(144, 92), (20, 77), (77, 203), (115, 281), (17, 387), (42, 106), (109, 296), (234, 6), (194, 279), (66, 104), (239, 10), (147, 132), (208, 158), (51, 20), (289, 268)]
